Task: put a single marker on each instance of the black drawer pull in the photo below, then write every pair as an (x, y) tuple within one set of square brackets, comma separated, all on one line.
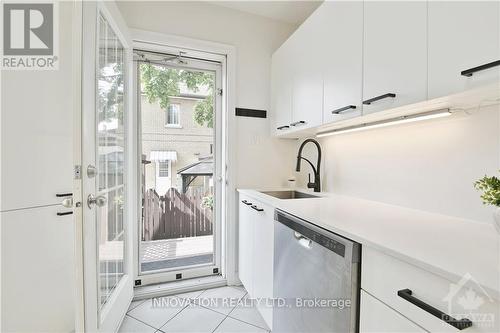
[(345, 108), (460, 324), (62, 195), (246, 202), (374, 99), (282, 127), (257, 208), (300, 122), (470, 71), (65, 213)]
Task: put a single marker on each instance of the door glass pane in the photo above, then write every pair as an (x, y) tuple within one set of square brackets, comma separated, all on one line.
[(177, 141), (110, 158)]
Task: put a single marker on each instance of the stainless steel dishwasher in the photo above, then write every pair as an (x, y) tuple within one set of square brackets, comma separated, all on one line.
[(316, 278)]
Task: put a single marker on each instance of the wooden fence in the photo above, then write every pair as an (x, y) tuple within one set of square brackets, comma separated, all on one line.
[(175, 215)]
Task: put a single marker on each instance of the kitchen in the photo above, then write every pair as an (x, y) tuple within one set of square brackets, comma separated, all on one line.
[(354, 156)]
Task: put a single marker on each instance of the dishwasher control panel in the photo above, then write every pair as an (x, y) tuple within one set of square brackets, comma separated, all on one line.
[(320, 237)]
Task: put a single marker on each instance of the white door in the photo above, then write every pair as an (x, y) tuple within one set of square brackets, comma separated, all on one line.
[(246, 239), (281, 90), (307, 90), (342, 59), (375, 316), (455, 46), (107, 182), (395, 54)]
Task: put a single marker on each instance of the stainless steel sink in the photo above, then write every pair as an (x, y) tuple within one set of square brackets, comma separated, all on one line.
[(289, 194)]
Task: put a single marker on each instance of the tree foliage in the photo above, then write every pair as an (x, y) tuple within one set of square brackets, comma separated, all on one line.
[(160, 83)]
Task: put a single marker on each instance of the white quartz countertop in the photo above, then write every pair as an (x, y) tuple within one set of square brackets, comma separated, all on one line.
[(447, 246)]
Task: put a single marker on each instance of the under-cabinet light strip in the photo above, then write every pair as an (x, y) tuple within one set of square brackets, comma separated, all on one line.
[(388, 122)]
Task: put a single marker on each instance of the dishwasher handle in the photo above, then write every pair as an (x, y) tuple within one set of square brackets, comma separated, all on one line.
[(304, 241)]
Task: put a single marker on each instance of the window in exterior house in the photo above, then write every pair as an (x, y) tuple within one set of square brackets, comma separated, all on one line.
[(173, 117), (163, 169)]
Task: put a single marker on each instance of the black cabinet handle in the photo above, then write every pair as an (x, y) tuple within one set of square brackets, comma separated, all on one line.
[(345, 108), (65, 213), (300, 122), (470, 71), (374, 99), (257, 208), (62, 195), (460, 324), (282, 127), (246, 202)]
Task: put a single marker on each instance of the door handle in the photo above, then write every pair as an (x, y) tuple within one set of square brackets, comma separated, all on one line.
[(64, 213), (257, 208), (469, 72), (98, 201), (304, 241), (374, 99), (297, 123), (246, 202), (91, 171), (67, 203), (460, 324), (345, 108)]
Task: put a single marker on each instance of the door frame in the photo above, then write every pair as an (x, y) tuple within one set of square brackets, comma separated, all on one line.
[(93, 315), (196, 270), (226, 54)]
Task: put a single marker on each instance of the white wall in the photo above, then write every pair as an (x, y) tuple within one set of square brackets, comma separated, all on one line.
[(429, 165), (259, 158)]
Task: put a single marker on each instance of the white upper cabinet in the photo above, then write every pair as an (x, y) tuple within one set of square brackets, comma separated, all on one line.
[(462, 35), (281, 90), (342, 35), (307, 92), (395, 54)]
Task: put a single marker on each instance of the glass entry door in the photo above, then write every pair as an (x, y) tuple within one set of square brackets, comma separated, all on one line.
[(106, 76), (178, 103)]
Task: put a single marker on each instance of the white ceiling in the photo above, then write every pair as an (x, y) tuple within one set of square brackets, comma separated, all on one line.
[(291, 11)]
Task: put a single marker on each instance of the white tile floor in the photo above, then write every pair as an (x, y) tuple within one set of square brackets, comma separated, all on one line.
[(218, 310)]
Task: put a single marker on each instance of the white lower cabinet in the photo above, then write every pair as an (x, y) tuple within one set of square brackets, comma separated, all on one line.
[(256, 252), (246, 240), (375, 316), (38, 270), (403, 287)]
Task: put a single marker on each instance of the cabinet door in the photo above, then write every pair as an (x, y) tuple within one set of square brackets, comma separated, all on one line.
[(462, 35), (37, 128), (395, 54), (38, 271), (246, 239), (375, 316), (263, 266), (307, 92), (281, 91), (342, 36)]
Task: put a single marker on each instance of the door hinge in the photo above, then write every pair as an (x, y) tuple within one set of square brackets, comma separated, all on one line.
[(78, 172), (219, 91)]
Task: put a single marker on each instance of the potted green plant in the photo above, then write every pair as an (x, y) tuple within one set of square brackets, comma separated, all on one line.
[(490, 186)]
